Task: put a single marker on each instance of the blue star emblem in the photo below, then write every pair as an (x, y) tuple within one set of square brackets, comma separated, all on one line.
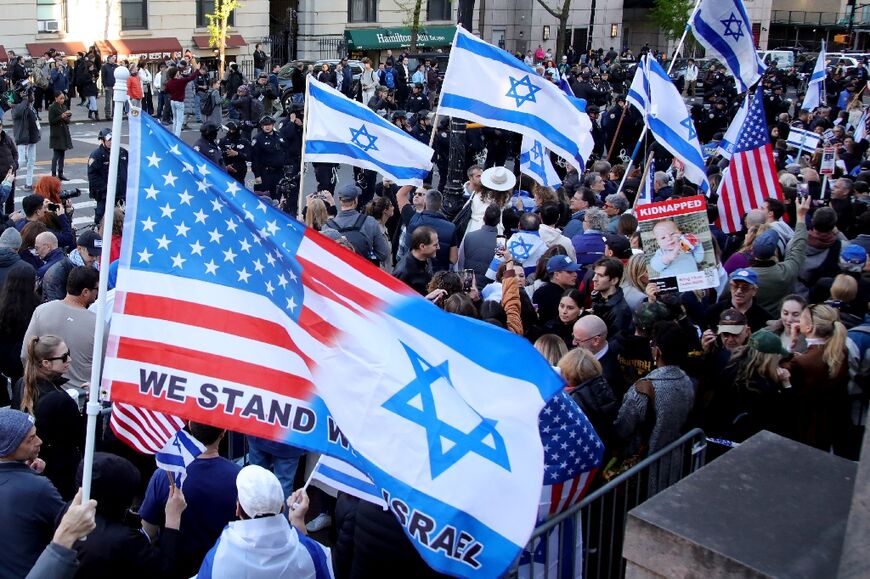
[(520, 249), (536, 158), (416, 403), (524, 82), (687, 122), (736, 34), (356, 136)]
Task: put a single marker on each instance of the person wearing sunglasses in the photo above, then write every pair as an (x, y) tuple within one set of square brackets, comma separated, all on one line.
[(59, 423)]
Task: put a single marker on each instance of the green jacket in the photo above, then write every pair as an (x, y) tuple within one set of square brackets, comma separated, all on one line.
[(777, 280)]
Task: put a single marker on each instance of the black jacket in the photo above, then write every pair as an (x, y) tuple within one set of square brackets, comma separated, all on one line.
[(8, 153), (98, 174), (613, 310)]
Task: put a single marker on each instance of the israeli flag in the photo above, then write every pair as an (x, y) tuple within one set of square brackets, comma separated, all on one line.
[(487, 85), (181, 450), (665, 114), (815, 96), (729, 142), (803, 139), (535, 162), (340, 130), (723, 28), (338, 475), (527, 247), (648, 188), (861, 128)]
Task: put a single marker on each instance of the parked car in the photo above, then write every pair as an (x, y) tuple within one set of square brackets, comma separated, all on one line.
[(356, 66), (285, 71)]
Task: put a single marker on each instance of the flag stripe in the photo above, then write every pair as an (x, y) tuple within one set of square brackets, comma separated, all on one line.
[(327, 283), (212, 366)]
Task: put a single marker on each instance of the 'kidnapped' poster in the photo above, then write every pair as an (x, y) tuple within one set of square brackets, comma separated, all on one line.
[(676, 240)]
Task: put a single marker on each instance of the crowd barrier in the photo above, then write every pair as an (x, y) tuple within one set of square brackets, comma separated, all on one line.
[(554, 549)]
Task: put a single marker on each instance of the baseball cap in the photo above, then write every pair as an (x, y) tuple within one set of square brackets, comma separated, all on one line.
[(766, 342), (731, 321), (619, 245), (765, 244), (852, 258), (349, 191), (561, 263), (260, 493), (92, 242), (745, 275)]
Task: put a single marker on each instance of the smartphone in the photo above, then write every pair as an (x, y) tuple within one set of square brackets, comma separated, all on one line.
[(501, 243), (467, 279), (803, 189)]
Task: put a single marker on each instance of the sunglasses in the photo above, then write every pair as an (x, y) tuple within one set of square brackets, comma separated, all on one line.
[(64, 358)]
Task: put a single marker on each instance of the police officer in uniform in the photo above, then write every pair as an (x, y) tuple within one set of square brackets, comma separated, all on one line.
[(267, 158), (98, 174), (236, 151), (417, 102), (207, 145)]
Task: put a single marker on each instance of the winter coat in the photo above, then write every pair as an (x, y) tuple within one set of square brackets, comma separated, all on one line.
[(8, 154), (777, 280), (596, 398), (822, 259), (190, 99), (24, 123), (553, 236), (216, 115), (59, 136), (88, 84)]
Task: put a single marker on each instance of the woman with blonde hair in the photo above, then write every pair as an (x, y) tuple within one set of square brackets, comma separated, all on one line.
[(820, 377), (551, 347), (588, 386), (316, 214), (57, 418), (634, 280)]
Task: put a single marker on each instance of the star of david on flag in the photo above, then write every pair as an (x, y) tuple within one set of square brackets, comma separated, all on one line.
[(535, 162), (722, 27), (815, 96), (341, 130), (485, 84), (528, 87), (357, 135), (231, 313)]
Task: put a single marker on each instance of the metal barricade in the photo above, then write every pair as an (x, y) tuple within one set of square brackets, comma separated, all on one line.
[(602, 515)]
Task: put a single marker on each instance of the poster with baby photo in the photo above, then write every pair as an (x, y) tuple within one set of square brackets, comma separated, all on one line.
[(676, 240)]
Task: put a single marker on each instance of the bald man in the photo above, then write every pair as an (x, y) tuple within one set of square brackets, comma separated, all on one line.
[(48, 251), (590, 332)]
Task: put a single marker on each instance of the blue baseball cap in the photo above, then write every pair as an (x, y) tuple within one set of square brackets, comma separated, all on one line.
[(561, 263), (852, 258), (745, 275), (765, 245)]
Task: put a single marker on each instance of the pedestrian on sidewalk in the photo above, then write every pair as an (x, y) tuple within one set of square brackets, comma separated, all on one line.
[(88, 90), (26, 129), (107, 76), (59, 139)]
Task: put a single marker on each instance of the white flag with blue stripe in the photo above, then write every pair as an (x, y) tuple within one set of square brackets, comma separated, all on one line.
[(340, 130), (181, 450), (723, 28), (485, 84), (341, 476), (815, 96), (535, 162), (729, 142), (665, 113)]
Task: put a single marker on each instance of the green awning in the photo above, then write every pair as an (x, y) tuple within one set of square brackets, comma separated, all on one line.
[(398, 37)]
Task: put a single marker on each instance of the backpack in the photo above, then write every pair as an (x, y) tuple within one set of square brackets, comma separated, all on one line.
[(207, 105), (362, 244), (39, 78), (389, 79)]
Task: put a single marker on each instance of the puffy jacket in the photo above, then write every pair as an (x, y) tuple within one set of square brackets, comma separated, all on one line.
[(24, 124)]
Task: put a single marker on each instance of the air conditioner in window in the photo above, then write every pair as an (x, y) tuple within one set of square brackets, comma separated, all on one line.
[(52, 26)]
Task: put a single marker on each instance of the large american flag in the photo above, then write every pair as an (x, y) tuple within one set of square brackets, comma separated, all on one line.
[(751, 177)]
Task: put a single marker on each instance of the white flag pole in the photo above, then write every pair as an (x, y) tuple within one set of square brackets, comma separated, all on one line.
[(306, 109), (93, 404), (670, 68)]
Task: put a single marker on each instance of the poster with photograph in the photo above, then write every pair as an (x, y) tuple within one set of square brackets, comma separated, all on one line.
[(676, 240)]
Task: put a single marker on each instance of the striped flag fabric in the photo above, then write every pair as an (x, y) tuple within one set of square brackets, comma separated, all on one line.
[(341, 130), (729, 141), (231, 313), (143, 429), (803, 139), (861, 127), (751, 177), (179, 451), (341, 476), (815, 96), (535, 162)]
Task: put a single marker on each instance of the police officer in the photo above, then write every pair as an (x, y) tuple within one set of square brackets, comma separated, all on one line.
[(236, 151), (207, 145), (267, 157), (98, 174), (417, 102), (598, 140)]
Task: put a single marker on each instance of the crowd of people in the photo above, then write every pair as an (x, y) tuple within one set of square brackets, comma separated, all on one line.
[(781, 344)]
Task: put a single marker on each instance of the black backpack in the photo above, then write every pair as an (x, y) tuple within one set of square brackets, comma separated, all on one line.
[(207, 106), (362, 244)]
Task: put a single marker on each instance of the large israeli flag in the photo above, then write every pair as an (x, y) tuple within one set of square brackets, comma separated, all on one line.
[(666, 116), (490, 86), (535, 162), (729, 142), (815, 96), (723, 28), (181, 450), (340, 130)]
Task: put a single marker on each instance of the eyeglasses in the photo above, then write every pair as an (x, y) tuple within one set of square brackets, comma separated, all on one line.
[(63, 358), (576, 341)]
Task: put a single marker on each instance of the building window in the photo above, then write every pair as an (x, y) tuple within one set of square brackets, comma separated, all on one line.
[(134, 14), (50, 15), (204, 7), (438, 10), (362, 10)]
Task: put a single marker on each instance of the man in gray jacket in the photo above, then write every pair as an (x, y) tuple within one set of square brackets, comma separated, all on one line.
[(362, 231)]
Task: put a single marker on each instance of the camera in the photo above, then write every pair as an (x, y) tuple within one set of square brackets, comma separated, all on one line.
[(70, 193), (53, 207)]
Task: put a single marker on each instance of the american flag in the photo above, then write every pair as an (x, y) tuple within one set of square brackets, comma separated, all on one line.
[(751, 177)]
